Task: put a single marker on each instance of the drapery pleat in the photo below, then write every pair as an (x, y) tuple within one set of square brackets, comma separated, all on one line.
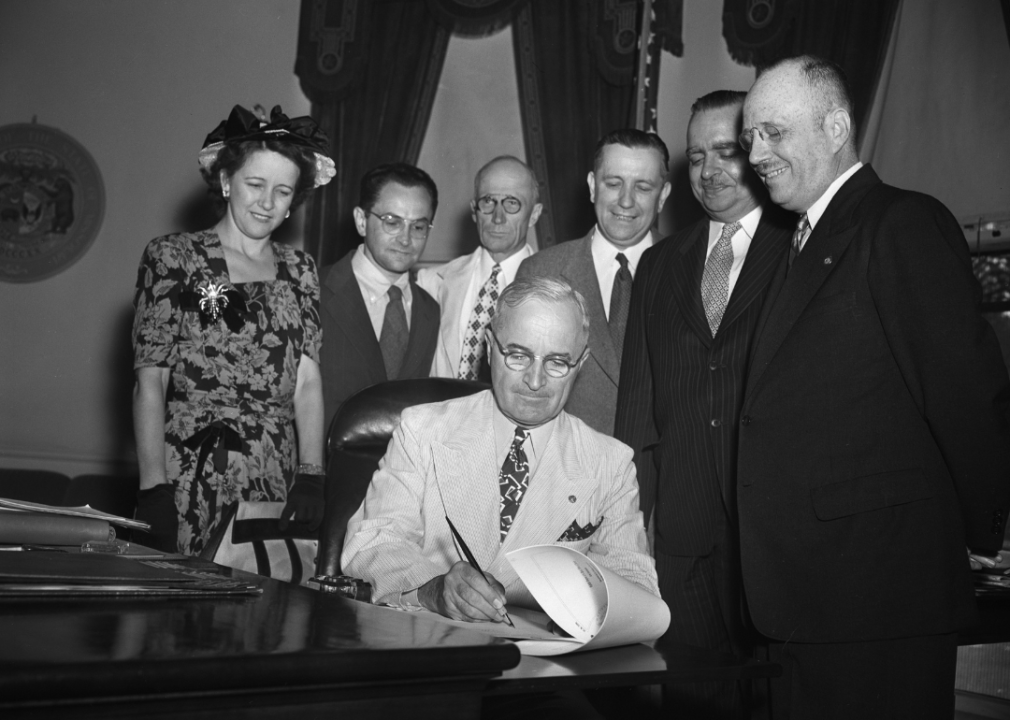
[(371, 69), (852, 33), (575, 63)]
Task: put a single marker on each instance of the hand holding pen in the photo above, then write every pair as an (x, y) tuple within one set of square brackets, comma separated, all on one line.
[(465, 592)]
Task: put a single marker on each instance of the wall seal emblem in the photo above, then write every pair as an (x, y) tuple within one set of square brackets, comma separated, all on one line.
[(52, 201)]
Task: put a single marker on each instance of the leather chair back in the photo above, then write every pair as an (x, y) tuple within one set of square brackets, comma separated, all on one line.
[(38, 486), (357, 440), (116, 494)]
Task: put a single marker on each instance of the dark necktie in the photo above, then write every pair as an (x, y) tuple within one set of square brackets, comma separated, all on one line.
[(799, 235), (473, 340), (512, 481), (394, 336), (620, 300), (715, 277)]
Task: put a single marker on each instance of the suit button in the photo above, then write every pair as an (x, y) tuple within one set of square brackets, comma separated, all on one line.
[(713, 366), (716, 422), (745, 420)]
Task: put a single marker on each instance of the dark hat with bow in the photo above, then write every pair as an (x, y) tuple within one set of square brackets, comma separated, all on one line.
[(243, 125)]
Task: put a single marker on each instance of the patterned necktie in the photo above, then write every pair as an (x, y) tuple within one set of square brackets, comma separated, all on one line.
[(620, 300), (394, 335), (473, 340), (512, 481), (799, 235), (715, 278)]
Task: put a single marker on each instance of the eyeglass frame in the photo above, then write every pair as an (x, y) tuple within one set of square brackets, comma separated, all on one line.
[(544, 359), (746, 137), (407, 223), (497, 202)]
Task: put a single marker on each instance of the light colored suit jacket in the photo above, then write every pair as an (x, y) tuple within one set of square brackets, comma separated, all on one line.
[(594, 396), (448, 284), (399, 539)]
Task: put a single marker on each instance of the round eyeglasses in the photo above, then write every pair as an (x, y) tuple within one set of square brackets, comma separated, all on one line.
[(770, 134), (521, 360), (394, 224), (509, 204)]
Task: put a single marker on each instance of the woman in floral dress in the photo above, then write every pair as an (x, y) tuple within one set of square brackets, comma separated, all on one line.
[(226, 343)]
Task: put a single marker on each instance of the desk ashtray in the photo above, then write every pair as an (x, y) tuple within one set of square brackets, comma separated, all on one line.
[(350, 587)]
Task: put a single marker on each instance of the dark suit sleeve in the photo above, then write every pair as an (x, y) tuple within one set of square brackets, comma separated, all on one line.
[(927, 299), (635, 422)]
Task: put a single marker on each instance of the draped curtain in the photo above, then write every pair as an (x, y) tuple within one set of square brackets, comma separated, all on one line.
[(575, 63), (371, 69), (852, 33)]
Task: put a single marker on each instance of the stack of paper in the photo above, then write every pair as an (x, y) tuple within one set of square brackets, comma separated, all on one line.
[(34, 523)]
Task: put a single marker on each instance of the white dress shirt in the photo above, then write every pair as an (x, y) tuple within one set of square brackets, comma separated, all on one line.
[(374, 285), (605, 262), (816, 211), (509, 268), (740, 241)]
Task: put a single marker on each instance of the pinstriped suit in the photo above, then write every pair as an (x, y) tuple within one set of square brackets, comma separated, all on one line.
[(680, 394), (399, 539)]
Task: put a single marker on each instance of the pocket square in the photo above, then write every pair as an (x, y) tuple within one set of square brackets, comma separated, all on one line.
[(578, 532)]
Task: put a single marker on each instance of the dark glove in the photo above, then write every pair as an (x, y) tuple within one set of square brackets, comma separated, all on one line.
[(156, 506), (306, 501)]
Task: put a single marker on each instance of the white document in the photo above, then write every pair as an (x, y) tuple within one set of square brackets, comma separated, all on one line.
[(597, 607), (85, 511)]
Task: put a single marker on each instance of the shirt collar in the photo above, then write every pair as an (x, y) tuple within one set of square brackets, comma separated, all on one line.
[(369, 274), (605, 251), (509, 266), (816, 211), (536, 443), (748, 223)]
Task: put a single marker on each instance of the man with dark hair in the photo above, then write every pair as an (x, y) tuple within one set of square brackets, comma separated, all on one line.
[(505, 205), (627, 187), (694, 309), (377, 323), (873, 441)]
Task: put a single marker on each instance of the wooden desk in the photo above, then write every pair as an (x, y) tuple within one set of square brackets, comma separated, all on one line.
[(260, 657), (254, 657), (625, 666)]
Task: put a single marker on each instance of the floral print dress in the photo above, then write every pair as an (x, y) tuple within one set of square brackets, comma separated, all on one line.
[(229, 416)]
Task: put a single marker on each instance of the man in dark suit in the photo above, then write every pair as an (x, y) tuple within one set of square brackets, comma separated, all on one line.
[(377, 323), (694, 308), (627, 187), (874, 443)]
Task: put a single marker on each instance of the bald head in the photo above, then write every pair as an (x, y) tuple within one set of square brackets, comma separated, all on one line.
[(797, 120), (505, 205)]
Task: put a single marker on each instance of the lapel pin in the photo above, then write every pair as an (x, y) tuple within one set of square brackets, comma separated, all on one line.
[(827, 260), (571, 498)]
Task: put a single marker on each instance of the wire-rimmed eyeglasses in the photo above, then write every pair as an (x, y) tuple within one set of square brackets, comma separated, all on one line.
[(487, 204), (521, 360), (394, 224), (769, 133)]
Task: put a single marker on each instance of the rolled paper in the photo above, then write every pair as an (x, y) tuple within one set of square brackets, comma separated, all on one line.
[(40, 529)]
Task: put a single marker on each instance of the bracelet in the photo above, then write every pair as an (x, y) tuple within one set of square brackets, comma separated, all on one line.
[(308, 469)]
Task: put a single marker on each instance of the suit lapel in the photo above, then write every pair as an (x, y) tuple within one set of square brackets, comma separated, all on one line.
[(685, 281), (467, 473), (455, 283), (766, 248), (820, 256), (348, 311), (580, 272)]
